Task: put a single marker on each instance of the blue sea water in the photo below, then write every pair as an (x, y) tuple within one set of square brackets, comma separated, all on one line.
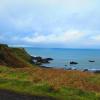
[(62, 57)]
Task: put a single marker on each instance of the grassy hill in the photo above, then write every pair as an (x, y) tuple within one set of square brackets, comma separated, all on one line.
[(54, 83), (19, 79), (14, 57)]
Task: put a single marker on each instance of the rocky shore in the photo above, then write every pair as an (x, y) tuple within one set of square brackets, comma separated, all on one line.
[(40, 60)]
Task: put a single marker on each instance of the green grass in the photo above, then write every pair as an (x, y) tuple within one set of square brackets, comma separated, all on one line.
[(14, 57), (22, 77), (19, 80), (95, 79), (44, 89), (21, 53)]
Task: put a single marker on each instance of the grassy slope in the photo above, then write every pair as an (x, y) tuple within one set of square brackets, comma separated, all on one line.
[(65, 85), (14, 57), (20, 76)]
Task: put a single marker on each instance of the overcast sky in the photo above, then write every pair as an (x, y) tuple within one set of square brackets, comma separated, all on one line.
[(50, 23)]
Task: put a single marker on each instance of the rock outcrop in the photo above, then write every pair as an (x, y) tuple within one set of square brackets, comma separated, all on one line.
[(39, 60), (91, 60), (73, 63)]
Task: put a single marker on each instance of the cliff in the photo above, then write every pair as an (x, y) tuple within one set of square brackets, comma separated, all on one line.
[(14, 57)]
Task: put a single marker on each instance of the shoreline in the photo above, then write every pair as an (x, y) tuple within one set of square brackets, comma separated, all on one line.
[(83, 70), (40, 61)]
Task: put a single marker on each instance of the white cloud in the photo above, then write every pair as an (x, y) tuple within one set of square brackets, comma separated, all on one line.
[(22, 17), (96, 38), (92, 41), (68, 36), (67, 4)]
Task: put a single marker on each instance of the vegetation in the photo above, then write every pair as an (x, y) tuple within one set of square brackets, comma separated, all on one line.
[(14, 57), (19, 75), (61, 84)]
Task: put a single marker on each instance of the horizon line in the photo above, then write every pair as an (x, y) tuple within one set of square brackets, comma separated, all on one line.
[(51, 47)]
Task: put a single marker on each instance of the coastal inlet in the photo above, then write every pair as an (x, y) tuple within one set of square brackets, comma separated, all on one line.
[(86, 58)]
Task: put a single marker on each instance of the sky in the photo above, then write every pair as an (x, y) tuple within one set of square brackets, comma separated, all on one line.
[(50, 23)]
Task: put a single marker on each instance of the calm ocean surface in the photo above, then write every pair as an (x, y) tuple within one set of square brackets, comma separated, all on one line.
[(62, 57)]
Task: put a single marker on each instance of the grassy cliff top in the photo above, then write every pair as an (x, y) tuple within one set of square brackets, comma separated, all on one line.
[(14, 57)]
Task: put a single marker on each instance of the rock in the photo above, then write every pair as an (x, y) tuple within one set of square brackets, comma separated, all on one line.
[(45, 67), (39, 60), (85, 70), (69, 68), (73, 63), (49, 59), (91, 61), (45, 61), (97, 71), (92, 70)]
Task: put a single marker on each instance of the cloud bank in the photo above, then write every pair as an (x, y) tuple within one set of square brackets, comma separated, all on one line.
[(50, 23)]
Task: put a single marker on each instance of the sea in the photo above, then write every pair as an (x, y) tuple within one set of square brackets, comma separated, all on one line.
[(62, 57)]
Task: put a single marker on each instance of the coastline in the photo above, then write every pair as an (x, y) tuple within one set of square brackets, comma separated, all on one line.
[(40, 82), (42, 61), (86, 59)]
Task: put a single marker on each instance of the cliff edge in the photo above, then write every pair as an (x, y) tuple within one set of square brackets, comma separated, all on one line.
[(14, 57)]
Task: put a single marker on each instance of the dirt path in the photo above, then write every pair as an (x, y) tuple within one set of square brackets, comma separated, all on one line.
[(9, 95)]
